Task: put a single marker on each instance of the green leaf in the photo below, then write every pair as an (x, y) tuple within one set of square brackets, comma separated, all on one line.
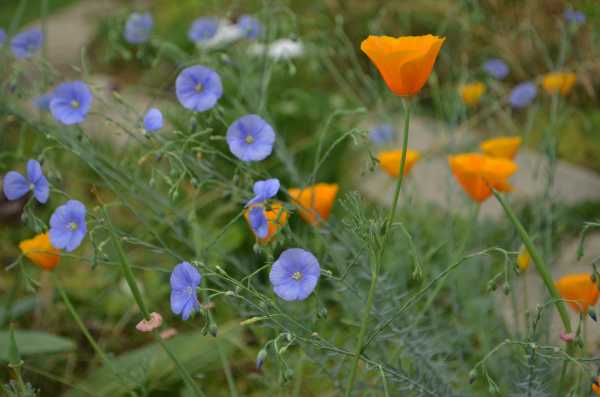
[(33, 342)]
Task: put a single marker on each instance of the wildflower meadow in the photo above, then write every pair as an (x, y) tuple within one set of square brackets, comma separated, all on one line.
[(299, 198)]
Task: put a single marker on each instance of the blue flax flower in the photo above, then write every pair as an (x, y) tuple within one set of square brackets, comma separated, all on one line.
[(185, 279), (17, 186), (2, 36), (264, 190), (203, 29), (67, 226), (153, 120), (258, 221), (250, 138), (71, 102), (381, 134), (138, 28), (250, 26), (27, 43), (522, 95), (574, 16), (294, 274), (496, 68), (198, 88)]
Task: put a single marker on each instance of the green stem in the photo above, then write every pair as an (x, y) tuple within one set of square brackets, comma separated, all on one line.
[(379, 257), (540, 265)]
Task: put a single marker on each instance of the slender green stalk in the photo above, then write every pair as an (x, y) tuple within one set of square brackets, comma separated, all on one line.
[(379, 256)]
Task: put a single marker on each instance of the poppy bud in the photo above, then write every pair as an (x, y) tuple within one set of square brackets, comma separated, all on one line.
[(260, 358), (472, 376), (592, 314), (506, 289)]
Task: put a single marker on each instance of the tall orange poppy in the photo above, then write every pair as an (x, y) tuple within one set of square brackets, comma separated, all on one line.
[(596, 385), (40, 251), (390, 161), (476, 173), (579, 289), (559, 82), (276, 215), (504, 146), (405, 63), (315, 201), (471, 93)]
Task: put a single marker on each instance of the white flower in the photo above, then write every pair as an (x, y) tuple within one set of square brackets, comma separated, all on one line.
[(226, 33), (285, 49)]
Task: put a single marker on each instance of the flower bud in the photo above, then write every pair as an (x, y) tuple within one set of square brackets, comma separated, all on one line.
[(260, 358)]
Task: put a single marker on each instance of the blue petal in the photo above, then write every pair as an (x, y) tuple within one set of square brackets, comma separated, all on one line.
[(185, 88), (15, 185), (264, 190), (262, 133), (178, 300), (190, 307), (41, 190), (153, 121), (138, 28), (259, 222), (185, 275), (59, 237)]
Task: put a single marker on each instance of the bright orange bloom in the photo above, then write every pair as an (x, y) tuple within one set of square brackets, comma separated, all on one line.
[(390, 161), (471, 93), (559, 82), (476, 173), (580, 289), (504, 146), (40, 252), (315, 201), (596, 386), (276, 215), (405, 63)]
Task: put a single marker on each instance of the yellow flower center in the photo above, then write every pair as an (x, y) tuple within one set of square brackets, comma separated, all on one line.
[(74, 104), (297, 276), (199, 87), (249, 139), (72, 226)]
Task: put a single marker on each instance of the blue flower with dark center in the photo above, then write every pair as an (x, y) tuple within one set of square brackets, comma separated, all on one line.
[(382, 133), (185, 279), (198, 88), (17, 186), (250, 138), (27, 43), (496, 68), (294, 274), (71, 102), (68, 226), (264, 190), (42, 102), (203, 29), (259, 221), (153, 120), (138, 28), (522, 95), (574, 16), (2, 36), (250, 26)]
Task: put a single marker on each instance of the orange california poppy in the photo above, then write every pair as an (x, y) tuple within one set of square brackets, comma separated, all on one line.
[(504, 146), (315, 201), (276, 215), (476, 173), (405, 63), (471, 93), (390, 161), (559, 82), (40, 252), (579, 289), (596, 385)]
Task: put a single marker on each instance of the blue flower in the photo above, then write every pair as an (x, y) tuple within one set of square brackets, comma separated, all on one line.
[(2, 36), (198, 88), (294, 274), (67, 226), (574, 16), (382, 133), (250, 138), (185, 279), (264, 190), (42, 102), (138, 28), (153, 121), (17, 186), (522, 95), (203, 29), (496, 68), (71, 102), (26, 43), (250, 26), (258, 221)]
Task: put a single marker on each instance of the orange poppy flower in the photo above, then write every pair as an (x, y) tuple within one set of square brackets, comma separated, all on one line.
[(596, 386), (315, 201), (580, 289), (390, 161), (523, 259), (559, 82), (276, 215), (405, 63), (504, 146), (40, 252), (471, 93), (476, 173)]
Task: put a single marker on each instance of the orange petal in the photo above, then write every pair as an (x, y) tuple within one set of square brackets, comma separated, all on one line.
[(578, 288), (315, 201), (505, 146), (276, 215), (559, 82), (390, 161), (471, 93), (40, 251)]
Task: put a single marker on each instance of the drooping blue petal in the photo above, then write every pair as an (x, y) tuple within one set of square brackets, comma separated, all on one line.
[(250, 138), (153, 121), (15, 185), (264, 190), (27, 43), (138, 28), (179, 298), (185, 275), (259, 222), (192, 305), (184, 281), (41, 190), (42, 102)]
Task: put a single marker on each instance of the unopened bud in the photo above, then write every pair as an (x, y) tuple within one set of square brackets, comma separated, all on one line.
[(260, 358), (592, 314), (213, 329)]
